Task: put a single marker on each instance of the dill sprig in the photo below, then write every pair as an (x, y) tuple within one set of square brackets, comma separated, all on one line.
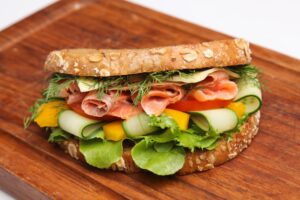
[(57, 83), (34, 110), (249, 73), (155, 77), (107, 83), (137, 84)]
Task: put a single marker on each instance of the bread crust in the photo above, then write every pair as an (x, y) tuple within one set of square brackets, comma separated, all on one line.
[(196, 161), (115, 62)]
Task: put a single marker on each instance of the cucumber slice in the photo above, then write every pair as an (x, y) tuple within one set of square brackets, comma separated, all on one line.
[(200, 76), (76, 124), (87, 84), (201, 122), (250, 95), (97, 133), (217, 120), (91, 129), (138, 125)]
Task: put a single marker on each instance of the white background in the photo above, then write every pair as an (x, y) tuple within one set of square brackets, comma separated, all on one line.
[(271, 23)]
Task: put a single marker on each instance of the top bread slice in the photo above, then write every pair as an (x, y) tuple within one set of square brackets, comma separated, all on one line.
[(117, 62)]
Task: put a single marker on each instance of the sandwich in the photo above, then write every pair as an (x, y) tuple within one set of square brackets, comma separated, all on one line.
[(168, 110)]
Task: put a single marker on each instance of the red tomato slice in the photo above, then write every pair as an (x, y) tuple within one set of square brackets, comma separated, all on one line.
[(76, 107), (194, 105)]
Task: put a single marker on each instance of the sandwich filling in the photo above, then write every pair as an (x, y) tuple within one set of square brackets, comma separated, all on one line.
[(159, 115)]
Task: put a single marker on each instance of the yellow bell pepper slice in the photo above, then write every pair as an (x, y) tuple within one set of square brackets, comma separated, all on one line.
[(48, 113), (114, 131), (238, 107), (181, 118)]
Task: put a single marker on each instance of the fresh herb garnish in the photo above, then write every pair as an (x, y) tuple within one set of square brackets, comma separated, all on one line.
[(248, 73), (57, 83), (137, 84), (34, 110)]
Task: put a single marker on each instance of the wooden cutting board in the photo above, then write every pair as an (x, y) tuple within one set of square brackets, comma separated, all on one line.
[(31, 168)]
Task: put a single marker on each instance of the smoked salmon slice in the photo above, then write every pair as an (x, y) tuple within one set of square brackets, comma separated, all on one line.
[(72, 94), (112, 104), (160, 96), (216, 86)]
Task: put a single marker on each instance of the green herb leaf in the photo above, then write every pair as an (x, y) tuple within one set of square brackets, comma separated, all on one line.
[(101, 153), (138, 85), (165, 161), (34, 110), (57, 83), (248, 73)]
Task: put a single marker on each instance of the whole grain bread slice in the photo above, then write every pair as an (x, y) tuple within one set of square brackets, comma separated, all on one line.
[(115, 62), (196, 161)]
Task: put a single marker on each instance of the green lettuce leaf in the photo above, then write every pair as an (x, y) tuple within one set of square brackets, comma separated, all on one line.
[(58, 135), (101, 153), (164, 121), (163, 147), (192, 141), (159, 160), (213, 145), (192, 138), (166, 136)]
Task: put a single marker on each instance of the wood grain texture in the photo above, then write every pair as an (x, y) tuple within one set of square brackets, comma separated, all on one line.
[(31, 168)]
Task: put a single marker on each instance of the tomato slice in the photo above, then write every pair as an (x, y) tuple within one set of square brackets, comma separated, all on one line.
[(194, 105), (76, 107)]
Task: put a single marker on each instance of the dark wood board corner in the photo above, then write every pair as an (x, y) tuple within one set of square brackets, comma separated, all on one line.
[(30, 167)]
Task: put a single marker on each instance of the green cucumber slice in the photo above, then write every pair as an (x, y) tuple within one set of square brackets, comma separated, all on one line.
[(76, 124), (87, 84), (200, 76), (138, 125), (217, 120), (250, 95), (91, 129)]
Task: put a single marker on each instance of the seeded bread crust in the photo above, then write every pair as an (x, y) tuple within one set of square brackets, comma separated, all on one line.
[(112, 62), (196, 161)]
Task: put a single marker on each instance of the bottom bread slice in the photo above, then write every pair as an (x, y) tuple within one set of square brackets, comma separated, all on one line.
[(194, 161)]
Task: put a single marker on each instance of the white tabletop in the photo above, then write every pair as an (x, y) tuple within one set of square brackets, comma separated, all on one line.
[(270, 23)]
